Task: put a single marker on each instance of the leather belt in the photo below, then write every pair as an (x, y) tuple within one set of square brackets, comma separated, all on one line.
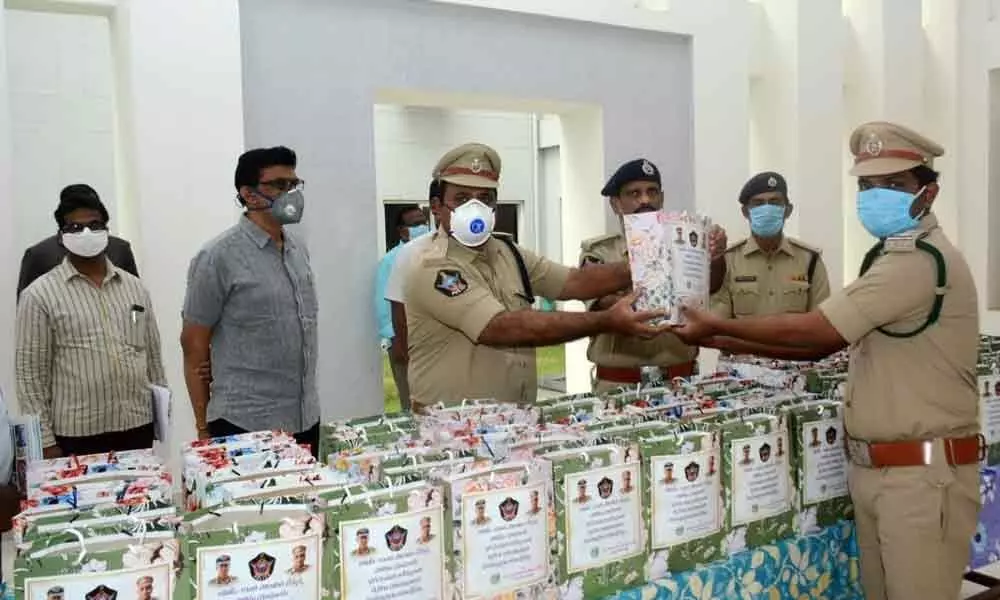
[(876, 455), (632, 375)]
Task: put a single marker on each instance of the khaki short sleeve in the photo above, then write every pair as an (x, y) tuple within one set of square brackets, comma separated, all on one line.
[(819, 289), (898, 286), (453, 295), (548, 278)]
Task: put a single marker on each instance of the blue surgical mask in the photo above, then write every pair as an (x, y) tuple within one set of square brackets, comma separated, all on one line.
[(417, 230), (767, 220), (884, 212)]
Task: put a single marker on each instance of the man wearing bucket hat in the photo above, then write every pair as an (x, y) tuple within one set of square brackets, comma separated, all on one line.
[(634, 187), (472, 331), (768, 272), (910, 414)]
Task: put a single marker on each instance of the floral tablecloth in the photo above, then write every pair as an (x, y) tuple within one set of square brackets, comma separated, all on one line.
[(823, 565)]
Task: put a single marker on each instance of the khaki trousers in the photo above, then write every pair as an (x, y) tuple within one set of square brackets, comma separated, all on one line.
[(914, 526)]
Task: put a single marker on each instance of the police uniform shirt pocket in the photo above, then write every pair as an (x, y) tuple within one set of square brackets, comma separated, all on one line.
[(746, 295), (795, 296)]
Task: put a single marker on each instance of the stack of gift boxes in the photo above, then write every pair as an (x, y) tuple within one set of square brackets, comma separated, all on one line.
[(576, 497), (986, 540)]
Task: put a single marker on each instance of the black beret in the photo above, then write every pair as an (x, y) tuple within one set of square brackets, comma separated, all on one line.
[(639, 169), (761, 183)]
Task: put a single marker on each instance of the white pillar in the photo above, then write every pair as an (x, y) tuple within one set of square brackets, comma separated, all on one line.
[(179, 64), (797, 108), (583, 213), (9, 254), (886, 83)]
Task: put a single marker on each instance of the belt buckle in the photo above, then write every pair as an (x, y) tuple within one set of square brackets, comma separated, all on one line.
[(859, 452)]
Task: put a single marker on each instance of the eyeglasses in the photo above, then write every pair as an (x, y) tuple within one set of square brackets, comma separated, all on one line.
[(78, 227), (285, 185)]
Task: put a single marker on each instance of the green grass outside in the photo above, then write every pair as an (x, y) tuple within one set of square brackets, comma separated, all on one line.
[(551, 361)]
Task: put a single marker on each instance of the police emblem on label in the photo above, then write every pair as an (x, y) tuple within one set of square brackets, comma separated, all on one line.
[(648, 168), (477, 165), (873, 145), (101, 592), (450, 283), (262, 566), (395, 538), (772, 182), (508, 509)]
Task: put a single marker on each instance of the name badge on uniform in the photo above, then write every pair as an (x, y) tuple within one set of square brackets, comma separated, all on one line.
[(901, 243), (745, 278)]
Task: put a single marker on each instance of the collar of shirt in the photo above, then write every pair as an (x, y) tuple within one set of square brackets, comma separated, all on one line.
[(928, 223), (752, 246), (259, 236), (67, 271), (451, 248)]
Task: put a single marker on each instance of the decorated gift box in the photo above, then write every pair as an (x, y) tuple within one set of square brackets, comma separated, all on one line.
[(28, 527), (265, 485), (501, 531), (986, 539), (649, 260), (682, 474), (252, 550), (989, 412), (819, 465), (758, 490), (387, 539), (600, 534), (688, 248), (98, 565)]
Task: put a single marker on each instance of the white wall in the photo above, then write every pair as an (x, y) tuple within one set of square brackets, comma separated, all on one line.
[(61, 85), (178, 131), (409, 140)]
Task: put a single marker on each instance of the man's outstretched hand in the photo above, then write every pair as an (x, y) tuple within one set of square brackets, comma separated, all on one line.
[(624, 319), (699, 325)]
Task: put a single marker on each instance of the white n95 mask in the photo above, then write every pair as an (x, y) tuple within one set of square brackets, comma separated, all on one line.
[(472, 223)]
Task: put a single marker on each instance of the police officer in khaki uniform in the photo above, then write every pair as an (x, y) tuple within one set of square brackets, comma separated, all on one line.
[(634, 188), (912, 322), (770, 273), (472, 330)]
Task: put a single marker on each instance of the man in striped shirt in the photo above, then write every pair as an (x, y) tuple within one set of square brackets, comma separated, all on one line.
[(87, 344)]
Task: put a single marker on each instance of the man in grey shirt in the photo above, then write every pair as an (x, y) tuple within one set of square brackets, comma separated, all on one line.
[(251, 307)]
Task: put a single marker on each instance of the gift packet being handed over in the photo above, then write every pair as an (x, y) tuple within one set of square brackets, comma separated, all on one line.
[(819, 465), (670, 260), (682, 477), (756, 470), (99, 563), (267, 549), (387, 538), (600, 547), (501, 527)]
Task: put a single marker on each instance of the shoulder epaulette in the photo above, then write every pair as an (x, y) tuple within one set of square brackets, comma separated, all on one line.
[(804, 245), (737, 245), (591, 243)]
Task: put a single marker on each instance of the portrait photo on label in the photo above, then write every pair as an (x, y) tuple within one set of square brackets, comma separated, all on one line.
[(607, 526), (147, 583), (401, 552), (504, 542), (685, 497), (824, 461), (282, 568), (760, 478)]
